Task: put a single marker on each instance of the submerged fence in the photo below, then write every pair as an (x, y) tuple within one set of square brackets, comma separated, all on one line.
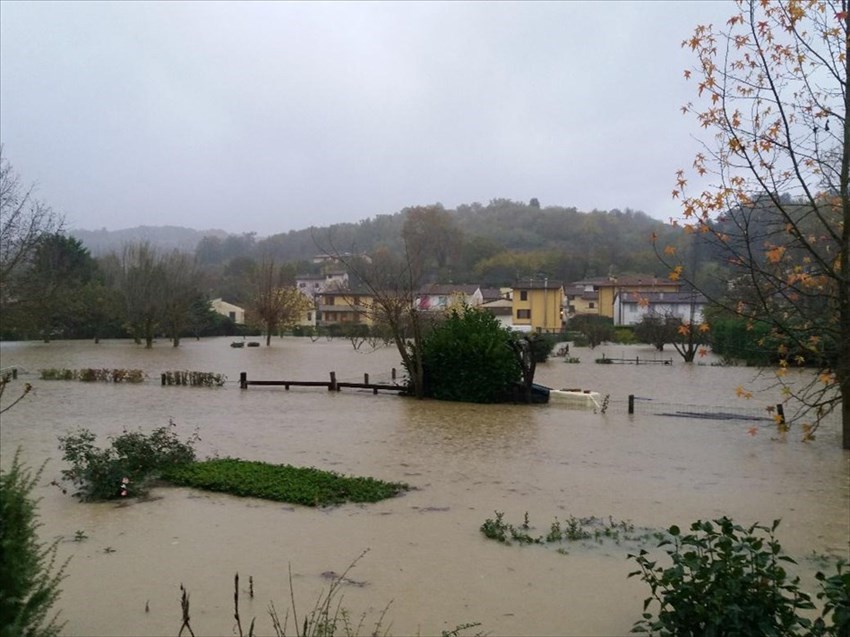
[(641, 405)]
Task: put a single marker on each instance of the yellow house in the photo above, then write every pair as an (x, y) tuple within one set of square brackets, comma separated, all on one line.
[(536, 305), (344, 307)]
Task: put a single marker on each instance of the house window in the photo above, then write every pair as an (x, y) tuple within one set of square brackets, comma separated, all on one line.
[(331, 300), (523, 295), (232, 316), (591, 305), (523, 314)]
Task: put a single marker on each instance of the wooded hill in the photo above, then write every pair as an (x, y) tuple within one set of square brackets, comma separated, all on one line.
[(489, 244)]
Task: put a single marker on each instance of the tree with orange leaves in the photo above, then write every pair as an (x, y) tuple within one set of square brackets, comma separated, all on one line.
[(773, 201)]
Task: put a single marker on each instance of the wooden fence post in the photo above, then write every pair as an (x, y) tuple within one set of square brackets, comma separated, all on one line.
[(631, 403), (333, 386), (243, 380)]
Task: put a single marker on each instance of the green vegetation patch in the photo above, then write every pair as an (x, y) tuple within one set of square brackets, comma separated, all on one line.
[(587, 530), (282, 483)]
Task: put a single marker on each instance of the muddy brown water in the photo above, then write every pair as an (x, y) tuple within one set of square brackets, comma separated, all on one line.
[(426, 557)]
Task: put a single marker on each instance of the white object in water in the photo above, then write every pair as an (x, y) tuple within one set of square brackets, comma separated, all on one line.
[(576, 398)]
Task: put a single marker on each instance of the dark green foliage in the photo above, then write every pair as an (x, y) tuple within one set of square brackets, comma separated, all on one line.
[(29, 579), (541, 345), (282, 483), (733, 340), (724, 580), (657, 330), (134, 455), (625, 336), (469, 357), (835, 590), (596, 329)]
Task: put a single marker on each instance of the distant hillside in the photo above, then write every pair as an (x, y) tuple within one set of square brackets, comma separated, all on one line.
[(495, 243), (166, 238)]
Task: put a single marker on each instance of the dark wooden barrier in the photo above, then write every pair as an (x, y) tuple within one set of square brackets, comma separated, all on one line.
[(333, 384)]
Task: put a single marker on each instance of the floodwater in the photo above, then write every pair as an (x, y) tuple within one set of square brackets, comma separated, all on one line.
[(426, 557)]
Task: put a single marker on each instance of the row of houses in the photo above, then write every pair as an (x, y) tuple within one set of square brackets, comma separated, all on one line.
[(534, 304)]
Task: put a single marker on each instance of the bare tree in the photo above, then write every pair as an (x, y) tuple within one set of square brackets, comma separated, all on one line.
[(23, 220), (392, 283), (140, 280), (773, 92), (275, 304), (180, 279)]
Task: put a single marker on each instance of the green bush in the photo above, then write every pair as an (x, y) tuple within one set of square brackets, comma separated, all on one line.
[(282, 483), (125, 468), (625, 336), (595, 329), (303, 330), (835, 590), (469, 357), (29, 579), (729, 580), (541, 345)]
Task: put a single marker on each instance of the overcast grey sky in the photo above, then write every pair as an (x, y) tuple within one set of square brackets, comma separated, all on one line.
[(275, 116)]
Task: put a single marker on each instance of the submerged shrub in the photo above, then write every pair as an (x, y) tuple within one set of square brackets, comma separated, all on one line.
[(194, 379), (283, 483), (91, 375), (29, 579), (469, 357), (127, 466)]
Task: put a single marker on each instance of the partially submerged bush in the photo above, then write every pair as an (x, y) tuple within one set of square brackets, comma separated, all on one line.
[(194, 379), (573, 529), (125, 468), (469, 357), (90, 375)]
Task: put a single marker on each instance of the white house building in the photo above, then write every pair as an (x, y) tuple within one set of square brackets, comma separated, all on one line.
[(631, 307), (233, 312)]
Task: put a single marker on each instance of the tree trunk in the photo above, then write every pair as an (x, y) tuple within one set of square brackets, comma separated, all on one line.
[(845, 414)]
